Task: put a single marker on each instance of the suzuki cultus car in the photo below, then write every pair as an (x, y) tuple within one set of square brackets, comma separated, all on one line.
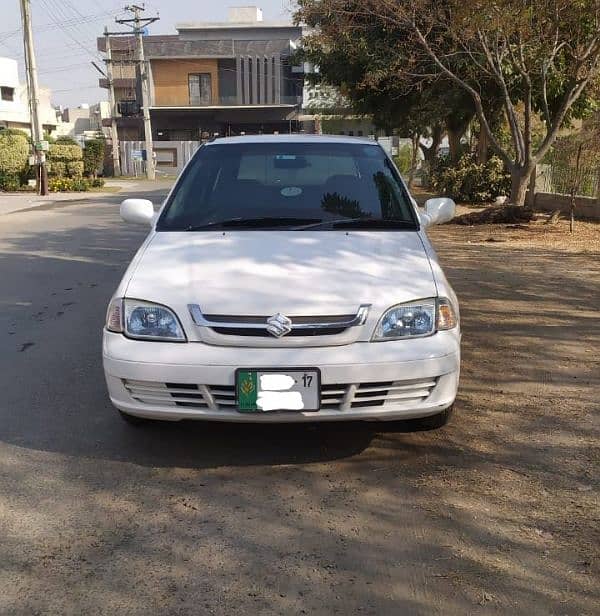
[(285, 279)]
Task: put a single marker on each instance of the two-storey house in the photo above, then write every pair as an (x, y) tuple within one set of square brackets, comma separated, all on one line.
[(210, 79)]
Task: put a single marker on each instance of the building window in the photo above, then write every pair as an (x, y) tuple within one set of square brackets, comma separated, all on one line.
[(200, 86), (7, 94), (360, 133)]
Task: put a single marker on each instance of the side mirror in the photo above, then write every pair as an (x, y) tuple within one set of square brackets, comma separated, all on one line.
[(137, 211), (438, 211)]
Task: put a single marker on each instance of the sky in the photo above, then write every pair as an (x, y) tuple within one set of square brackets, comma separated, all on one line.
[(65, 34)]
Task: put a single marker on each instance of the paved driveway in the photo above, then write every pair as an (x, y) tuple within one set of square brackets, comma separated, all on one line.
[(498, 513)]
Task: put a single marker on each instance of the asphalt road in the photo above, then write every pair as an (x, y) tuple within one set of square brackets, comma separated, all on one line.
[(99, 517)]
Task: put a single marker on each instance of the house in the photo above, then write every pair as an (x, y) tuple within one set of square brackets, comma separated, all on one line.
[(210, 79), (14, 104), (85, 121)]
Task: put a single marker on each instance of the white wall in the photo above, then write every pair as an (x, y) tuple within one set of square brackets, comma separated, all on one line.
[(15, 113)]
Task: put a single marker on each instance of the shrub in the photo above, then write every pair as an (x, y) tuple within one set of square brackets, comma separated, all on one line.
[(469, 181), (93, 156), (57, 168), (14, 153), (10, 181), (65, 140), (75, 169), (14, 131), (65, 160), (404, 159), (97, 183), (65, 152), (14, 159), (56, 184)]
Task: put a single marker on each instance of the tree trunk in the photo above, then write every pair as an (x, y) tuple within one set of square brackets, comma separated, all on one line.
[(532, 189), (483, 145), (572, 214), (518, 186), (454, 145), (413, 160)]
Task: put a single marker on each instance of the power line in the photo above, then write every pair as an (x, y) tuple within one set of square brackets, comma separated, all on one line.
[(67, 23), (95, 87), (54, 9)]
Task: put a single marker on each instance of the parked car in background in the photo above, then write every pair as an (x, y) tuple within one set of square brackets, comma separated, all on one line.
[(285, 279)]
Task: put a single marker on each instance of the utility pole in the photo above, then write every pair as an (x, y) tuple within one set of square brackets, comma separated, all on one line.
[(139, 23), (114, 135), (37, 131)]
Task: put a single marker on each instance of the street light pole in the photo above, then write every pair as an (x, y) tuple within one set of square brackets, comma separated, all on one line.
[(34, 98)]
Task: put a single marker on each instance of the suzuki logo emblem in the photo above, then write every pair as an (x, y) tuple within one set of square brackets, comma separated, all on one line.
[(279, 325)]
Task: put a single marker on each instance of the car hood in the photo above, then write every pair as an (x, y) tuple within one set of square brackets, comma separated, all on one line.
[(296, 273)]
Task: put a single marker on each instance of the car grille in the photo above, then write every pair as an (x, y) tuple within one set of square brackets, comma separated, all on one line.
[(299, 326), (333, 396), (327, 326)]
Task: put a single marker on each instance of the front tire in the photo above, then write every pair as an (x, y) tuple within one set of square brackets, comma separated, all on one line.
[(133, 420), (433, 422)]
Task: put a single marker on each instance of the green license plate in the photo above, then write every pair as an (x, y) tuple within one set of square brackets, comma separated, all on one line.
[(275, 389)]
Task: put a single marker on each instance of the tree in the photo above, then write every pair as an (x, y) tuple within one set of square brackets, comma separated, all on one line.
[(542, 54), (369, 64)]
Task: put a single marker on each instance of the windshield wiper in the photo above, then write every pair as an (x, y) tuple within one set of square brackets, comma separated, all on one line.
[(241, 223), (357, 223)]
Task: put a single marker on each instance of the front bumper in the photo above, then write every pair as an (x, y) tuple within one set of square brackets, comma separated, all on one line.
[(362, 381)]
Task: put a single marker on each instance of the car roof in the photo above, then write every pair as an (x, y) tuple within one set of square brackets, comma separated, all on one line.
[(295, 138)]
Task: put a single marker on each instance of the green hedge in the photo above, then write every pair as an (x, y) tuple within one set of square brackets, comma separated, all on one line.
[(14, 159), (65, 152), (14, 153), (56, 168), (65, 160), (75, 169), (93, 157)]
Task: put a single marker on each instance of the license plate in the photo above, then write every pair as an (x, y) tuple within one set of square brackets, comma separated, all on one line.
[(264, 390)]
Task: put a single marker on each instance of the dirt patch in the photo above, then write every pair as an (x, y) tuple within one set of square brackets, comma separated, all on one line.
[(496, 215), (532, 234), (527, 427), (535, 234)]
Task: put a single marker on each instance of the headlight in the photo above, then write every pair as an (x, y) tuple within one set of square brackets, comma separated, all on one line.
[(143, 320), (420, 318)]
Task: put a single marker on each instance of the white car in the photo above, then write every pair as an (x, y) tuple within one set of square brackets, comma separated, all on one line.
[(285, 279)]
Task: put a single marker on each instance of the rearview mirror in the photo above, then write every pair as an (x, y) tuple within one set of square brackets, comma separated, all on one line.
[(438, 211), (137, 211)]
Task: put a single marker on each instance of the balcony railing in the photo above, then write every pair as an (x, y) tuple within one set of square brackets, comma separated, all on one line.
[(230, 101)]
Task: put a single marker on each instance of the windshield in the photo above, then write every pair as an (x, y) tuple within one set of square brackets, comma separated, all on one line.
[(279, 185)]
